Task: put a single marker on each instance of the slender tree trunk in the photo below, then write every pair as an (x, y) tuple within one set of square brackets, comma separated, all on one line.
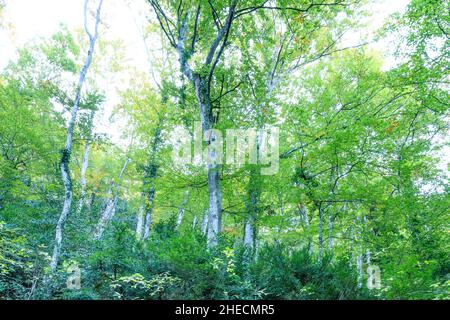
[(106, 216), (204, 226), (330, 231), (249, 232), (305, 218), (254, 192), (65, 159), (359, 258), (85, 163), (181, 209), (304, 214), (148, 213), (359, 268), (140, 223), (320, 232), (150, 175), (84, 166), (111, 204), (215, 205)]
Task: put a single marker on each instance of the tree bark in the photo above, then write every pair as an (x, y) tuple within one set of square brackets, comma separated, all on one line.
[(214, 186), (359, 268), (84, 166), (305, 219), (181, 209), (148, 213), (359, 258), (204, 226), (110, 208), (140, 223), (330, 231), (215, 205), (65, 159), (254, 192), (194, 222), (320, 232), (85, 163), (150, 175)]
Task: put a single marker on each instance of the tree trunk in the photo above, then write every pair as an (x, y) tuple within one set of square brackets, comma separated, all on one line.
[(249, 232), (359, 258), (148, 213), (194, 222), (330, 231), (359, 268), (214, 188), (215, 205), (320, 232), (140, 223), (254, 192), (204, 226), (150, 175), (181, 209), (106, 216), (85, 163), (305, 218), (84, 166), (65, 159), (110, 207)]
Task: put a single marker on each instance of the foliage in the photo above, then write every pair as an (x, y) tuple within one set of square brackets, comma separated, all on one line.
[(361, 183)]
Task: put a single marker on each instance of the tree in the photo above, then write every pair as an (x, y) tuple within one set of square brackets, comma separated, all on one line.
[(65, 158), (187, 35)]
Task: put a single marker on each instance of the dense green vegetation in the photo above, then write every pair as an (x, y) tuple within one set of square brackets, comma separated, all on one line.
[(360, 184)]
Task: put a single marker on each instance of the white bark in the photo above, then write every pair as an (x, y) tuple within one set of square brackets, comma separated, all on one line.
[(204, 226), (65, 171), (140, 223), (215, 205), (254, 192), (320, 232), (110, 208), (181, 209), (249, 236), (359, 258), (148, 214), (85, 163), (304, 214), (330, 231), (359, 268), (194, 222), (368, 255), (305, 218), (84, 166), (106, 216), (150, 175), (352, 238)]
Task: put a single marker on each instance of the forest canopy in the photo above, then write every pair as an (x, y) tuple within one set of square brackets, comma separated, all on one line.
[(267, 150)]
